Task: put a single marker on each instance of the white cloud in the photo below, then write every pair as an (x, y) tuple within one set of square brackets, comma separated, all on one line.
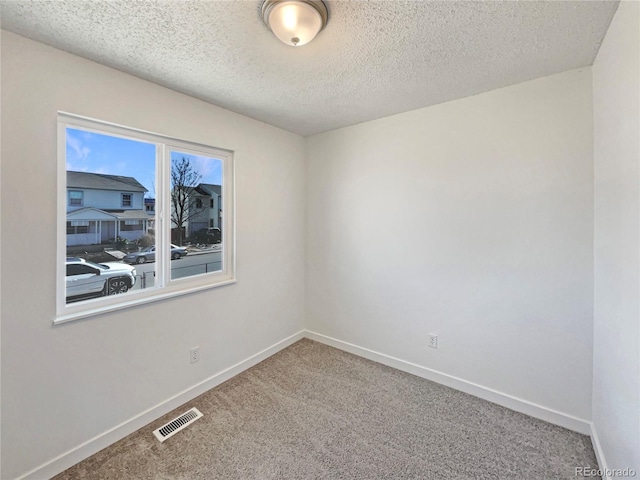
[(209, 168), (77, 167), (76, 150)]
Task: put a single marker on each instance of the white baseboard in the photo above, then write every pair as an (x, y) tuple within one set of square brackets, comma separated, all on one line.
[(94, 445), (597, 448), (514, 403)]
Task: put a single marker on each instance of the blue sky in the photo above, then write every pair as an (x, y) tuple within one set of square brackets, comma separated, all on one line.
[(97, 153)]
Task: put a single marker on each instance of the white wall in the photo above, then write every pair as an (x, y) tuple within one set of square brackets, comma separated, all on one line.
[(473, 220), (616, 342), (63, 385)]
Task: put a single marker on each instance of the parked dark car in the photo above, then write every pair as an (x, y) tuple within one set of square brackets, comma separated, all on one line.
[(149, 254), (209, 235)]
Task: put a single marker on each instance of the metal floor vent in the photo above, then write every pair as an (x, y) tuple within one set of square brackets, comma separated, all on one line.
[(177, 424)]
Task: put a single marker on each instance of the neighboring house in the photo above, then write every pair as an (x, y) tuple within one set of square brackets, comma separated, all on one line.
[(205, 208), (101, 208), (150, 208), (215, 203)]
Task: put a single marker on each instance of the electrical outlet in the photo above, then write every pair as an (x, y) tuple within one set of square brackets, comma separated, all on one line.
[(433, 340), (194, 354)]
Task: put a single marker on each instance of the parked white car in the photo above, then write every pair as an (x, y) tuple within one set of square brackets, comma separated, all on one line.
[(86, 279)]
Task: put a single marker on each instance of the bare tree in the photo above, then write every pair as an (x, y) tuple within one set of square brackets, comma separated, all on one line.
[(184, 180)]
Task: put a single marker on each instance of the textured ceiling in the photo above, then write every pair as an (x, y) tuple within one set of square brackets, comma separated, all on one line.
[(374, 58)]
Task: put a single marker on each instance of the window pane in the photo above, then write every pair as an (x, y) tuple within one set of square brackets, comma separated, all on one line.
[(110, 221), (75, 198), (196, 214)]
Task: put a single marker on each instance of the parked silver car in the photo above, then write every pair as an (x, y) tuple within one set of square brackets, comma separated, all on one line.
[(148, 254), (86, 279)]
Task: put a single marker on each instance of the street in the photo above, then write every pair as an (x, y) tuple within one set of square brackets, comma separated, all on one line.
[(192, 264)]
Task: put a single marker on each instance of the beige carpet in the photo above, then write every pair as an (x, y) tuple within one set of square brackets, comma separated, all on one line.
[(314, 412)]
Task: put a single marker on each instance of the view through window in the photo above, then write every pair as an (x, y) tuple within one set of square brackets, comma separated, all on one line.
[(115, 188), (196, 211)]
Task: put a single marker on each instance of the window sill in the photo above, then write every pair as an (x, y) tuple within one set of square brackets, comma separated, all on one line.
[(138, 299)]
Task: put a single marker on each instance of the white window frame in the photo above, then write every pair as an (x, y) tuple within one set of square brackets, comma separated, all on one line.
[(164, 287)]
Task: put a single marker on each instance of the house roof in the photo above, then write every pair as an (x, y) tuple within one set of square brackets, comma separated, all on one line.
[(210, 188), (100, 181), (201, 191), (92, 213), (129, 214)]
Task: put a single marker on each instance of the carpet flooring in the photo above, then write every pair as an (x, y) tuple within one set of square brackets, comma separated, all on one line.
[(315, 412)]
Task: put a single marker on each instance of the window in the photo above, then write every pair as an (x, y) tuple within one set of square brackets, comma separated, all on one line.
[(131, 226), (76, 198), (76, 228), (160, 254), (211, 204), (76, 269)]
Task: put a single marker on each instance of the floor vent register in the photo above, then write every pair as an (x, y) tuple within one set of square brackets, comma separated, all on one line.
[(177, 424)]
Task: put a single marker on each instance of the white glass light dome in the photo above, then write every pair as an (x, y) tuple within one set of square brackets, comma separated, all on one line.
[(294, 22)]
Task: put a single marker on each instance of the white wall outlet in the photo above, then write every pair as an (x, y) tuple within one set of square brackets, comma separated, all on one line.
[(194, 354), (433, 340)]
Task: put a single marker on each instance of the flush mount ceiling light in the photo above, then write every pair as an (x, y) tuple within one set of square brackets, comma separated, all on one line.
[(294, 22)]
